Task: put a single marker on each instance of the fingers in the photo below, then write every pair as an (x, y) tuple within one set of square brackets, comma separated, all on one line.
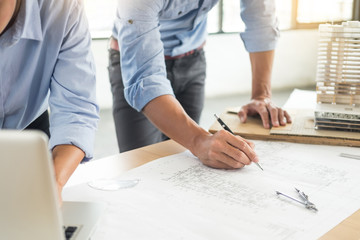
[(264, 114), (251, 144), (246, 153), (253, 108), (282, 119), (243, 114), (229, 152), (279, 117), (268, 112), (274, 114), (223, 161), (288, 117)]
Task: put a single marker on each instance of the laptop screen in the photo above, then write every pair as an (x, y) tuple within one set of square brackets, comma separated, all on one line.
[(29, 204)]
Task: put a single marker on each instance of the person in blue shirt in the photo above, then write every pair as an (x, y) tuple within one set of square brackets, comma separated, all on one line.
[(157, 73), (45, 61)]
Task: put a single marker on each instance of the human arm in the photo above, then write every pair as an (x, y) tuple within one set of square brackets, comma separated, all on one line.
[(66, 158), (148, 90), (221, 150), (72, 101), (261, 66), (260, 38)]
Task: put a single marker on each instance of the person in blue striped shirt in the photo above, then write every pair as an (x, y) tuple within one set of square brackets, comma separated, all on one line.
[(46, 61), (157, 71)]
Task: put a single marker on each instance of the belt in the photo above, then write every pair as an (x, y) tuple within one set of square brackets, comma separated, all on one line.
[(185, 54), (113, 44)]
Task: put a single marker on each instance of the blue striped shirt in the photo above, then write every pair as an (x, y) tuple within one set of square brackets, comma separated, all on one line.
[(45, 61), (149, 29)]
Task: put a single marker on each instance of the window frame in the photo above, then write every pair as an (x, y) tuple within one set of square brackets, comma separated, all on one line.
[(356, 10), (294, 24), (294, 14), (297, 25)]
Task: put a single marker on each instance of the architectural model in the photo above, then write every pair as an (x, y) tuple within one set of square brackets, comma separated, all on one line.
[(338, 77)]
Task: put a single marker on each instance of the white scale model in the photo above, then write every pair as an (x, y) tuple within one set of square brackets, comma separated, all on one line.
[(338, 77)]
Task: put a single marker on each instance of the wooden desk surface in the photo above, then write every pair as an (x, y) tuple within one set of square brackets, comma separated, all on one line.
[(115, 165), (301, 130)]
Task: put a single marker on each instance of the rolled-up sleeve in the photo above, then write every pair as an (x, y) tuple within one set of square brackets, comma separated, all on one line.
[(142, 51), (74, 111), (261, 25)]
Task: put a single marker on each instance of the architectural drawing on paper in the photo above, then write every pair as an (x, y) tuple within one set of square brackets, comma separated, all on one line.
[(338, 77)]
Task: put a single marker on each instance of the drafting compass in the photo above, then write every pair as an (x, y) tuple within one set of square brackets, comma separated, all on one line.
[(304, 199)]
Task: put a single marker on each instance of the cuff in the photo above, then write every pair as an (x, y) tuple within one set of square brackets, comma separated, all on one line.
[(260, 40), (141, 93), (80, 136)]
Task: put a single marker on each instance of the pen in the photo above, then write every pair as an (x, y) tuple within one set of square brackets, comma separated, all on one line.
[(229, 130)]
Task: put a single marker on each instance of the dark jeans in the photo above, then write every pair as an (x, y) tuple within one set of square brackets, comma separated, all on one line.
[(41, 123), (187, 77)]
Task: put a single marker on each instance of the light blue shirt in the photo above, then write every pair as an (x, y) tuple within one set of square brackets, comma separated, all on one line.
[(45, 61), (149, 29)]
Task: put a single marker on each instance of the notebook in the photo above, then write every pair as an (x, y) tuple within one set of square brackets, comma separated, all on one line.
[(29, 206)]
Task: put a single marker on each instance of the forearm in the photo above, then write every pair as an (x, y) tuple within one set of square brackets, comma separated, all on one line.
[(261, 66), (221, 150), (66, 158), (166, 113)]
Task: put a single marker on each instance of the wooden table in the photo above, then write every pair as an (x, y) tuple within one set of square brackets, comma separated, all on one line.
[(301, 130), (113, 166)]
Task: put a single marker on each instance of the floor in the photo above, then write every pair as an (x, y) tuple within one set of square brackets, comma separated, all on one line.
[(106, 145)]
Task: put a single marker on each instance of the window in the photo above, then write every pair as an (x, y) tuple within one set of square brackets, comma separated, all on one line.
[(292, 14), (225, 16), (309, 13), (228, 19)]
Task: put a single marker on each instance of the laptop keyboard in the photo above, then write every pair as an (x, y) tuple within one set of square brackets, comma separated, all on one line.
[(69, 232)]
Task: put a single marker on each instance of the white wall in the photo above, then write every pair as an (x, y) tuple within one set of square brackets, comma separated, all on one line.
[(100, 52), (229, 70)]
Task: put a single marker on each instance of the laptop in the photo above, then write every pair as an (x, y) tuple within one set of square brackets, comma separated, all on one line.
[(29, 206)]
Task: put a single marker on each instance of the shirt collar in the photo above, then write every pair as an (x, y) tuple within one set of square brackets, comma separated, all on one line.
[(26, 26)]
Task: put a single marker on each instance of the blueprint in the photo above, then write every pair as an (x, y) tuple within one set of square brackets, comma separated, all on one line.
[(178, 197)]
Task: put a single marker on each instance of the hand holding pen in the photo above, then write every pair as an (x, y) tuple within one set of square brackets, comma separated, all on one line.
[(229, 130), (225, 151), (222, 149)]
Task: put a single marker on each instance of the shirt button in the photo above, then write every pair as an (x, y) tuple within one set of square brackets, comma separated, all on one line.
[(130, 21), (180, 12), (204, 9)]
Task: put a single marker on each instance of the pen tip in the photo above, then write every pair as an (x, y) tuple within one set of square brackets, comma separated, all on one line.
[(216, 116), (259, 166)]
